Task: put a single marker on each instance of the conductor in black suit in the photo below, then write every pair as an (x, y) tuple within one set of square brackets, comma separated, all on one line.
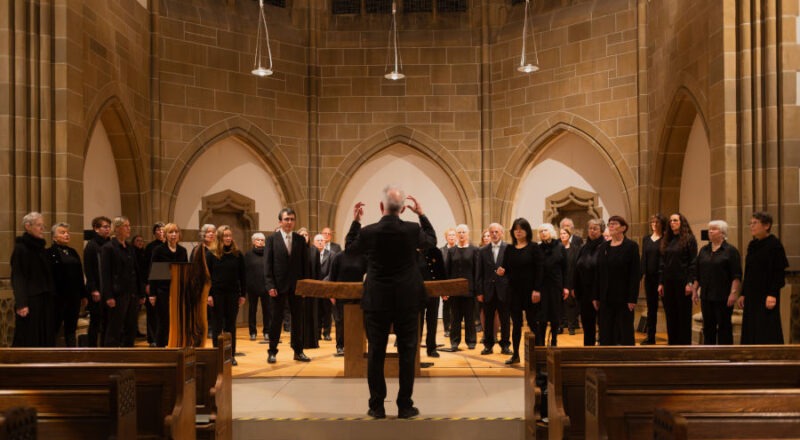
[(493, 290), (394, 292), (285, 262)]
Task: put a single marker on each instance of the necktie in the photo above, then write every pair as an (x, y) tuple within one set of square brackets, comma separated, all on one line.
[(289, 244)]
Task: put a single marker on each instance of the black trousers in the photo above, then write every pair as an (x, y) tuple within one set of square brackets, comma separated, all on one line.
[(122, 321), (97, 323), (338, 319), (588, 322), (651, 292), (152, 321), (517, 309), (431, 321), (447, 314), (377, 325), (502, 309), (717, 326), (678, 310), (277, 305), (66, 313), (462, 308), (226, 307), (161, 312), (325, 316), (253, 299), (616, 324)]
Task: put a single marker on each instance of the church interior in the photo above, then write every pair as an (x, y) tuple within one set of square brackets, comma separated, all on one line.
[(200, 111)]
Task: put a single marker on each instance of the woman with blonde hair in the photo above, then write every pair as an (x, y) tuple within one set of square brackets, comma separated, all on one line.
[(228, 285)]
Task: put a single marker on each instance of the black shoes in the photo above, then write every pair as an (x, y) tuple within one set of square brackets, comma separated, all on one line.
[(377, 413), (233, 362), (486, 351), (266, 337), (471, 346), (302, 357), (572, 331), (507, 351), (433, 354), (407, 413), (648, 342), (326, 337), (252, 336), (339, 352), (271, 359), (514, 359)]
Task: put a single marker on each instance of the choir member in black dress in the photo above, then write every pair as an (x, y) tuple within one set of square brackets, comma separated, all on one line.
[(617, 286), (152, 318), (584, 278), (463, 263), (523, 267), (649, 264), (555, 287), (122, 286), (345, 267), (228, 285), (764, 276), (678, 250), (717, 272), (70, 289), (256, 290), (32, 280), (570, 309), (91, 269), (158, 297), (431, 265)]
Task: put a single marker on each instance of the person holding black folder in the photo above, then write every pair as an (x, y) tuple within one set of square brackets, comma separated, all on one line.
[(168, 252)]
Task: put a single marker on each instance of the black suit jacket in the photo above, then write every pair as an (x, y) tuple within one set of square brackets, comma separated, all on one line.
[(393, 279), (281, 270), (489, 283)]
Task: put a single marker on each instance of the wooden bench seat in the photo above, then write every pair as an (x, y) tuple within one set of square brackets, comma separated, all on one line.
[(18, 423), (66, 411), (566, 369), (618, 408), (215, 390), (668, 425), (165, 380)]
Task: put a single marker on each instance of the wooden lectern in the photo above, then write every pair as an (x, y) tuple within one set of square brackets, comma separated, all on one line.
[(355, 338)]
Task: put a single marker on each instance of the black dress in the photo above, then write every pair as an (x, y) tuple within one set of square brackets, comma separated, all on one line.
[(651, 256), (160, 289), (553, 276), (32, 280), (583, 283), (524, 271), (228, 284), (617, 286), (70, 290), (764, 276), (715, 271), (676, 261)]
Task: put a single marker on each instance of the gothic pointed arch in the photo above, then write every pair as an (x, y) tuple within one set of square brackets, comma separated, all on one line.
[(668, 165), (534, 146), (129, 157), (272, 158), (421, 143)]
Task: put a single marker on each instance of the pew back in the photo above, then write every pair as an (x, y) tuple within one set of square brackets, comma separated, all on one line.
[(668, 425)]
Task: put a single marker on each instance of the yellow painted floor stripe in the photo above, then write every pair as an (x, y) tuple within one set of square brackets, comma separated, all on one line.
[(349, 419)]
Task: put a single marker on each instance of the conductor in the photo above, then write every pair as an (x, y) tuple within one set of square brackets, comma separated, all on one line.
[(393, 294)]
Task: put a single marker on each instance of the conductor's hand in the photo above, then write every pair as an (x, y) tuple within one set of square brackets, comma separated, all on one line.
[(415, 207), (358, 212)]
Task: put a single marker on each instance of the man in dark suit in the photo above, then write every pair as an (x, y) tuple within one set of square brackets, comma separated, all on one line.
[(493, 289), (327, 234), (285, 262), (394, 292)]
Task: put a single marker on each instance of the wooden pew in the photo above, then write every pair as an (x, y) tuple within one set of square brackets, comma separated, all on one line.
[(69, 411), (620, 403), (214, 391), (165, 380), (566, 370), (668, 425), (535, 364), (18, 423)]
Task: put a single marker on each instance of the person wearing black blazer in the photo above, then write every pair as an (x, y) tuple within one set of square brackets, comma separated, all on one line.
[(91, 269), (492, 290), (122, 286), (286, 262), (325, 253), (394, 292)]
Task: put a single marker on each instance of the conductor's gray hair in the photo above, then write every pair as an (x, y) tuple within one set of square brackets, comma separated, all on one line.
[(393, 198)]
